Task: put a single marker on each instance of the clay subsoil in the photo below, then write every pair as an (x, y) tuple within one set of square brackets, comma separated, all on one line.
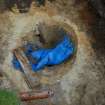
[(82, 80)]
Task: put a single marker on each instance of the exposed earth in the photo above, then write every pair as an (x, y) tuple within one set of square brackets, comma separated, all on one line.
[(83, 79)]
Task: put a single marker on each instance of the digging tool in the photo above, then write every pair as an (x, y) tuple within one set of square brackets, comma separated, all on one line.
[(30, 80), (33, 95), (26, 68)]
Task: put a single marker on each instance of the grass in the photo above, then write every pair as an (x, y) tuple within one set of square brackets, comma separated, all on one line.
[(1, 1), (8, 98)]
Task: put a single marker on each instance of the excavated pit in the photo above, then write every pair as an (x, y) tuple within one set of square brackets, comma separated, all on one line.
[(23, 31), (51, 34), (83, 81)]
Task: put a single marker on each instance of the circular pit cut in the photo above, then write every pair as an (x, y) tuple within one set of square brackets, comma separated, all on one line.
[(47, 36)]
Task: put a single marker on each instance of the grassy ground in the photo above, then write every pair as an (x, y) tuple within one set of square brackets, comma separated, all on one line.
[(8, 98)]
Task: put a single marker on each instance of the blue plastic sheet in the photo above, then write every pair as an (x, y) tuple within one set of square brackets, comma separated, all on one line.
[(45, 57)]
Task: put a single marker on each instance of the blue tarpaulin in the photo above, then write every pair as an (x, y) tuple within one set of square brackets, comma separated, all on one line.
[(45, 57)]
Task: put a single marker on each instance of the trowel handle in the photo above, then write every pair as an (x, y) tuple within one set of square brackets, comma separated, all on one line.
[(28, 96)]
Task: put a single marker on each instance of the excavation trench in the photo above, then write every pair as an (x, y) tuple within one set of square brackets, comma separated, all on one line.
[(75, 81), (51, 29)]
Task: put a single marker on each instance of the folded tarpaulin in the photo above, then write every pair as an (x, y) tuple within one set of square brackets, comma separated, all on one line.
[(45, 57)]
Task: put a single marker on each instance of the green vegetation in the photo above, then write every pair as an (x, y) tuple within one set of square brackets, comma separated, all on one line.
[(8, 98), (1, 1)]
